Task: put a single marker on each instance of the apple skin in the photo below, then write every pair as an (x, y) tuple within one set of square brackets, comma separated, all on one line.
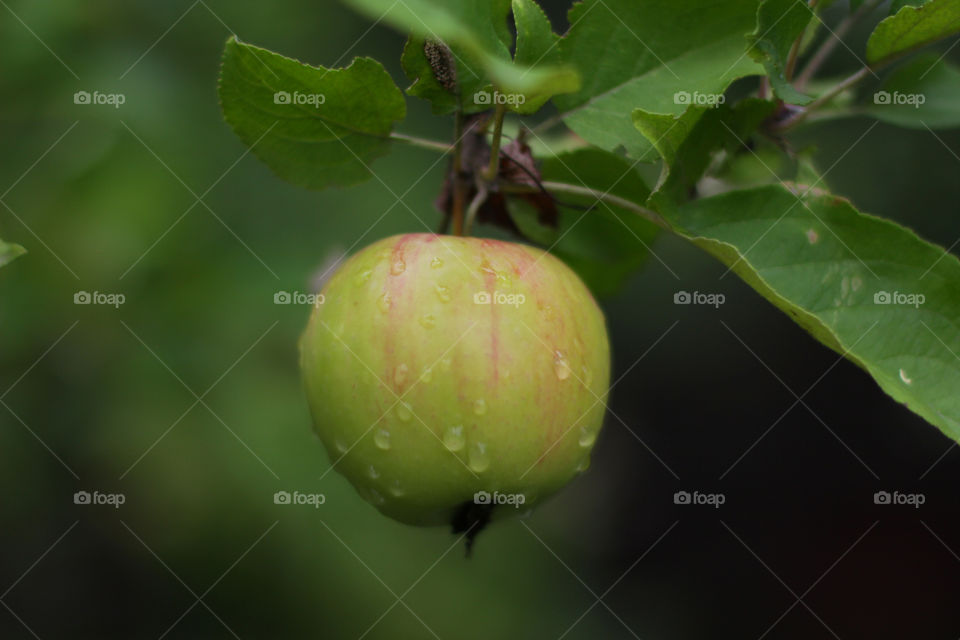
[(496, 397)]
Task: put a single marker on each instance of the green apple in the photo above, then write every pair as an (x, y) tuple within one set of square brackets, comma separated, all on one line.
[(444, 371)]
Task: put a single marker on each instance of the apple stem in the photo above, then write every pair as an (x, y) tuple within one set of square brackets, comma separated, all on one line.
[(459, 187), (474, 207)]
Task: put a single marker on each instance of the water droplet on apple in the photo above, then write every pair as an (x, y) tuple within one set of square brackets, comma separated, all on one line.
[(436, 263), (340, 446), (453, 438), (479, 406), (400, 374), (443, 293), (395, 489), (560, 366), (587, 437), (374, 496), (372, 472), (477, 457), (428, 321), (383, 303), (404, 411), (363, 278), (583, 465), (398, 267), (382, 439), (587, 376)]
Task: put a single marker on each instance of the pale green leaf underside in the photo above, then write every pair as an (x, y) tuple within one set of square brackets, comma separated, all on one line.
[(658, 56), (911, 28), (9, 252), (824, 263), (309, 141)]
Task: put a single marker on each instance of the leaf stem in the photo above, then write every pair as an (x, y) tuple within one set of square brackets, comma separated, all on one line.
[(609, 198), (835, 38), (494, 167), (423, 143)]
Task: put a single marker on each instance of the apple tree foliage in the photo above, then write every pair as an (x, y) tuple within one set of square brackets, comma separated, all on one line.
[(694, 87)]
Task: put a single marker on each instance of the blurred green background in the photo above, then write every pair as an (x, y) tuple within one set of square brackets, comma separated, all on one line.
[(186, 399)]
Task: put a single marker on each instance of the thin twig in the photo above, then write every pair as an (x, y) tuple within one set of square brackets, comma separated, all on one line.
[(609, 198), (795, 48), (423, 143), (829, 95), (821, 55)]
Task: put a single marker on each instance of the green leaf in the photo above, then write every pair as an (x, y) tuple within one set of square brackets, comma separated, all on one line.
[(896, 5), (536, 45), (923, 93), (687, 143), (424, 82), (476, 33), (605, 244), (660, 56), (866, 287), (912, 28), (9, 252), (779, 24), (312, 126)]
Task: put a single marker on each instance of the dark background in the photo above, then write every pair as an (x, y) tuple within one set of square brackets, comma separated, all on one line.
[(88, 392)]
